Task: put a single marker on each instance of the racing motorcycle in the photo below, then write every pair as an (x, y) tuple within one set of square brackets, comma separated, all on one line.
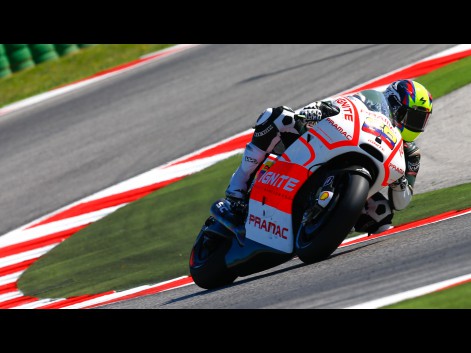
[(307, 200)]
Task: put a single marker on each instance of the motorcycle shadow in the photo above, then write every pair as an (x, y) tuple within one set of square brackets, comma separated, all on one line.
[(271, 272), (267, 273)]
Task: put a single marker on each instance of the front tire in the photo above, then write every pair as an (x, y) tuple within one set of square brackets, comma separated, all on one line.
[(333, 226)]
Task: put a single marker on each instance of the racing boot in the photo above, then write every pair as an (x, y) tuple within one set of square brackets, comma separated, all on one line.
[(238, 207), (236, 192)]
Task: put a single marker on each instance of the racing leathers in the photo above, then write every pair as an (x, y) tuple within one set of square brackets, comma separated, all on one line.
[(277, 128)]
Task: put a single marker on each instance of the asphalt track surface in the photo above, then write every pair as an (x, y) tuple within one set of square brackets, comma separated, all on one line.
[(69, 147)]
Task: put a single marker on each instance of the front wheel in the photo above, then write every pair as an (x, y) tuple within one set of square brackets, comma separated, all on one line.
[(317, 240), (207, 259)]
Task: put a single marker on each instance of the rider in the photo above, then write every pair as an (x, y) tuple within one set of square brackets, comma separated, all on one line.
[(410, 104)]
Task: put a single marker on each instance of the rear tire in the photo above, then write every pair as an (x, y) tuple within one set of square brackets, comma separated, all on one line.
[(333, 226)]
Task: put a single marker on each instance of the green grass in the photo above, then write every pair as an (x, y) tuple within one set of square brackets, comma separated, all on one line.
[(149, 241), (145, 242), (448, 78), (454, 298), (87, 62)]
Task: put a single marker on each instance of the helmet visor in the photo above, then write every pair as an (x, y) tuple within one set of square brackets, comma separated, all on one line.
[(414, 119)]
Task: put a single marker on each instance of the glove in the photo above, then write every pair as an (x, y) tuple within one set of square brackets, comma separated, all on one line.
[(400, 184), (312, 113)]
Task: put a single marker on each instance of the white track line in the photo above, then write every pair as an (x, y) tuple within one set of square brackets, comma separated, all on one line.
[(392, 299)]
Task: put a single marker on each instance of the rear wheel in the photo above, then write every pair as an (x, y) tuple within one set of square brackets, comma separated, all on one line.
[(207, 259), (320, 236)]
